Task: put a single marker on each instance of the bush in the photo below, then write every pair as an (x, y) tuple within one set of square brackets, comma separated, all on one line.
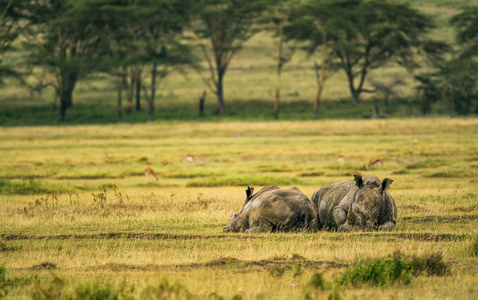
[(3, 272), (166, 290), (379, 272), (393, 269), (473, 247)]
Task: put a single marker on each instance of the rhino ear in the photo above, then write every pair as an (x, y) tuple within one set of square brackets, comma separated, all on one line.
[(386, 184), (231, 214), (358, 181)]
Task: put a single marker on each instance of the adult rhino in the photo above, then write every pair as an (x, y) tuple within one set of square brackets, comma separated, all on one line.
[(362, 203), (274, 209)]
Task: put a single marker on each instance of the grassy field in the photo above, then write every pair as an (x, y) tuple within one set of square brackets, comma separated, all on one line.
[(79, 219)]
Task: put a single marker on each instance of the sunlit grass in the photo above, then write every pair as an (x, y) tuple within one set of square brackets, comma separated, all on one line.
[(142, 231)]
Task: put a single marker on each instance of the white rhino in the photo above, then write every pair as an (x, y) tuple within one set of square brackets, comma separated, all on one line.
[(362, 203), (274, 209)]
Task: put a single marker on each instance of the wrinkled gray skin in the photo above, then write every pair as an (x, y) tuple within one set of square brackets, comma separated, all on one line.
[(359, 204), (274, 209)]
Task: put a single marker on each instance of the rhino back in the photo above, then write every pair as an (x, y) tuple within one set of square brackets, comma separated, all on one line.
[(284, 209), (258, 197), (329, 197)]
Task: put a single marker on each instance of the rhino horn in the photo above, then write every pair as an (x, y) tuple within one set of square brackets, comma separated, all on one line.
[(231, 214), (386, 184), (358, 181)]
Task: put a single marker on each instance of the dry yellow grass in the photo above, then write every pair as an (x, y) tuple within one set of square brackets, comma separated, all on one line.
[(171, 229)]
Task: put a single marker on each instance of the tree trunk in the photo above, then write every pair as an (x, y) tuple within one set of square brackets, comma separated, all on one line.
[(65, 101), (279, 70), (220, 95), (277, 100), (119, 112), (153, 93), (355, 94), (132, 83), (376, 111), (317, 100), (129, 100), (138, 90), (202, 100), (387, 107)]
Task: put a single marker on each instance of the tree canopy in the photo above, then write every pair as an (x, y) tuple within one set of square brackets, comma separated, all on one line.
[(366, 35)]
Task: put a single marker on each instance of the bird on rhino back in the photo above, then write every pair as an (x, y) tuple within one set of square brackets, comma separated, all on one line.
[(359, 204)]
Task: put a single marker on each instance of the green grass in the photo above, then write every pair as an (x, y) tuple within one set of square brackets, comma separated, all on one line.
[(393, 269), (129, 235)]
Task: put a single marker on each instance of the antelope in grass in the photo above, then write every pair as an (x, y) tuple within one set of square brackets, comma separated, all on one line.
[(149, 171), (341, 159), (373, 162)]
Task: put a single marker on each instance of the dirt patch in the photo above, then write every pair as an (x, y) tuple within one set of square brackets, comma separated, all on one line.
[(424, 237), (44, 266), (109, 236), (233, 264), (440, 219)]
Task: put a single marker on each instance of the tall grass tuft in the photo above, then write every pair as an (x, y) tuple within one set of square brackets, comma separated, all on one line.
[(473, 247), (395, 268), (430, 264), (90, 290), (166, 290), (3, 273)]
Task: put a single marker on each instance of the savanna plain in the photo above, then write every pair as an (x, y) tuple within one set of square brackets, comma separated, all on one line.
[(79, 219)]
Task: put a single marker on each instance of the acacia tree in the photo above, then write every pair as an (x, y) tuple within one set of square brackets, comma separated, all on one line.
[(14, 19), (121, 50), (227, 25), (161, 25), (277, 17), (67, 36), (467, 31), (366, 35), (307, 24), (455, 81)]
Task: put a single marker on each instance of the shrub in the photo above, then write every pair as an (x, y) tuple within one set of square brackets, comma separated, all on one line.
[(97, 291), (393, 269), (379, 272), (166, 290), (3, 272), (473, 247), (430, 264)]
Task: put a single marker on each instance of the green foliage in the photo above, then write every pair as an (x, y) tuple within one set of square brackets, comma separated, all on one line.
[(393, 269), (473, 247), (431, 264), (97, 290), (88, 290), (465, 23), (3, 272), (317, 281), (166, 290), (26, 187), (454, 82), (379, 272), (366, 35)]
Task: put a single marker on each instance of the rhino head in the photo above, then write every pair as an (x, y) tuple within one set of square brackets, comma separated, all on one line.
[(372, 206), (237, 220)]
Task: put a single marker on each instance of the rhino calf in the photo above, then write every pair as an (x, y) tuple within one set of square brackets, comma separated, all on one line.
[(362, 203), (274, 209)]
